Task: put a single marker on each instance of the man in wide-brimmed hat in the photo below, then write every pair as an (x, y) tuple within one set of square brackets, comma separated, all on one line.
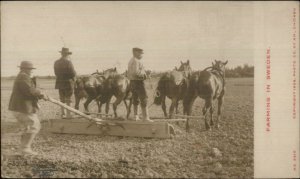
[(23, 103), (137, 74), (65, 79)]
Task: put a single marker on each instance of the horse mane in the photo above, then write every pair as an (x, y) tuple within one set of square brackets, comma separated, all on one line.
[(214, 69), (95, 73)]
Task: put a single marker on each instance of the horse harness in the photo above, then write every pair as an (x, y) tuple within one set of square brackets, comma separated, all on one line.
[(217, 72)]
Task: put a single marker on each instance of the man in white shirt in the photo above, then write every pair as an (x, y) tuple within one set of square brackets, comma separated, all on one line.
[(136, 74)]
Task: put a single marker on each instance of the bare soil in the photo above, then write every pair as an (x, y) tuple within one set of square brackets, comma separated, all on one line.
[(227, 152)]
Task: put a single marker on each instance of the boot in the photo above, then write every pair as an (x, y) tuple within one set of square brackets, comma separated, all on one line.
[(146, 114), (26, 141), (63, 112), (135, 111), (69, 112)]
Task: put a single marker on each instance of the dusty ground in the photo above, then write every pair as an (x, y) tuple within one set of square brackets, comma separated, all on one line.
[(227, 152)]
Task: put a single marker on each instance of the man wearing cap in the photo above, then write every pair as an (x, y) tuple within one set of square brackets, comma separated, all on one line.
[(23, 104), (137, 74), (65, 78)]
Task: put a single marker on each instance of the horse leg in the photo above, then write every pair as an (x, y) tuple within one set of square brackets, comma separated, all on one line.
[(126, 105), (129, 109), (211, 111), (171, 110), (124, 100), (208, 105), (176, 112), (107, 105), (116, 103), (86, 104), (187, 109), (163, 105), (176, 107), (100, 108), (220, 103), (77, 101)]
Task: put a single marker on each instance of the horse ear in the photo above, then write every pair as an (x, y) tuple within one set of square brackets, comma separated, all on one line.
[(226, 62), (188, 62), (115, 69), (215, 60), (181, 62), (212, 64)]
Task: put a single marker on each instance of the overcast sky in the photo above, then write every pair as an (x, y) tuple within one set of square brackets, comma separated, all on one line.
[(102, 34)]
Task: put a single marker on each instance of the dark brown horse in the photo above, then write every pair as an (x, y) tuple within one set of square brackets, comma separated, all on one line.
[(101, 87), (89, 87), (172, 85), (116, 85), (209, 85)]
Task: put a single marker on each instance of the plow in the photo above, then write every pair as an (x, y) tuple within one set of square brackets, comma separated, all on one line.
[(88, 124)]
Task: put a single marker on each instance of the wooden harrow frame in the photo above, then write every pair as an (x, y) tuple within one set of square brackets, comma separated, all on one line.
[(89, 125)]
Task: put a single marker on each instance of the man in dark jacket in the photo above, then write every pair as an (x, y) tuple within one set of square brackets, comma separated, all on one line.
[(23, 103), (65, 79)]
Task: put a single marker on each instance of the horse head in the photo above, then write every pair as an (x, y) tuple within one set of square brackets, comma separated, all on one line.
[(79, 83), (185, 68), (219, 65)]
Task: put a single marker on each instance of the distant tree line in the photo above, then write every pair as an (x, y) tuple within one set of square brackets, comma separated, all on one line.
[(240, 71)]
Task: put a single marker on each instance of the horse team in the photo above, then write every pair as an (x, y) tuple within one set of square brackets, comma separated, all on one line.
[(180, 84)]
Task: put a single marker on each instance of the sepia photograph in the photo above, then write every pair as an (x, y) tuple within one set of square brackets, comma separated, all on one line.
[(128, 89)]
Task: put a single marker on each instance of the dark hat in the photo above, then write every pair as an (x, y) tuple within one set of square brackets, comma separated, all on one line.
[(137, 50), (26, 65), (65, 51)]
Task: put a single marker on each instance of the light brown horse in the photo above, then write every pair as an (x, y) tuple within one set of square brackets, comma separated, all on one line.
[(209, 85), (172, 85)]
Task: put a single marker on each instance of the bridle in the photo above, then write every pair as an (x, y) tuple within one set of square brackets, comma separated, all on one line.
[(186, 73)]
